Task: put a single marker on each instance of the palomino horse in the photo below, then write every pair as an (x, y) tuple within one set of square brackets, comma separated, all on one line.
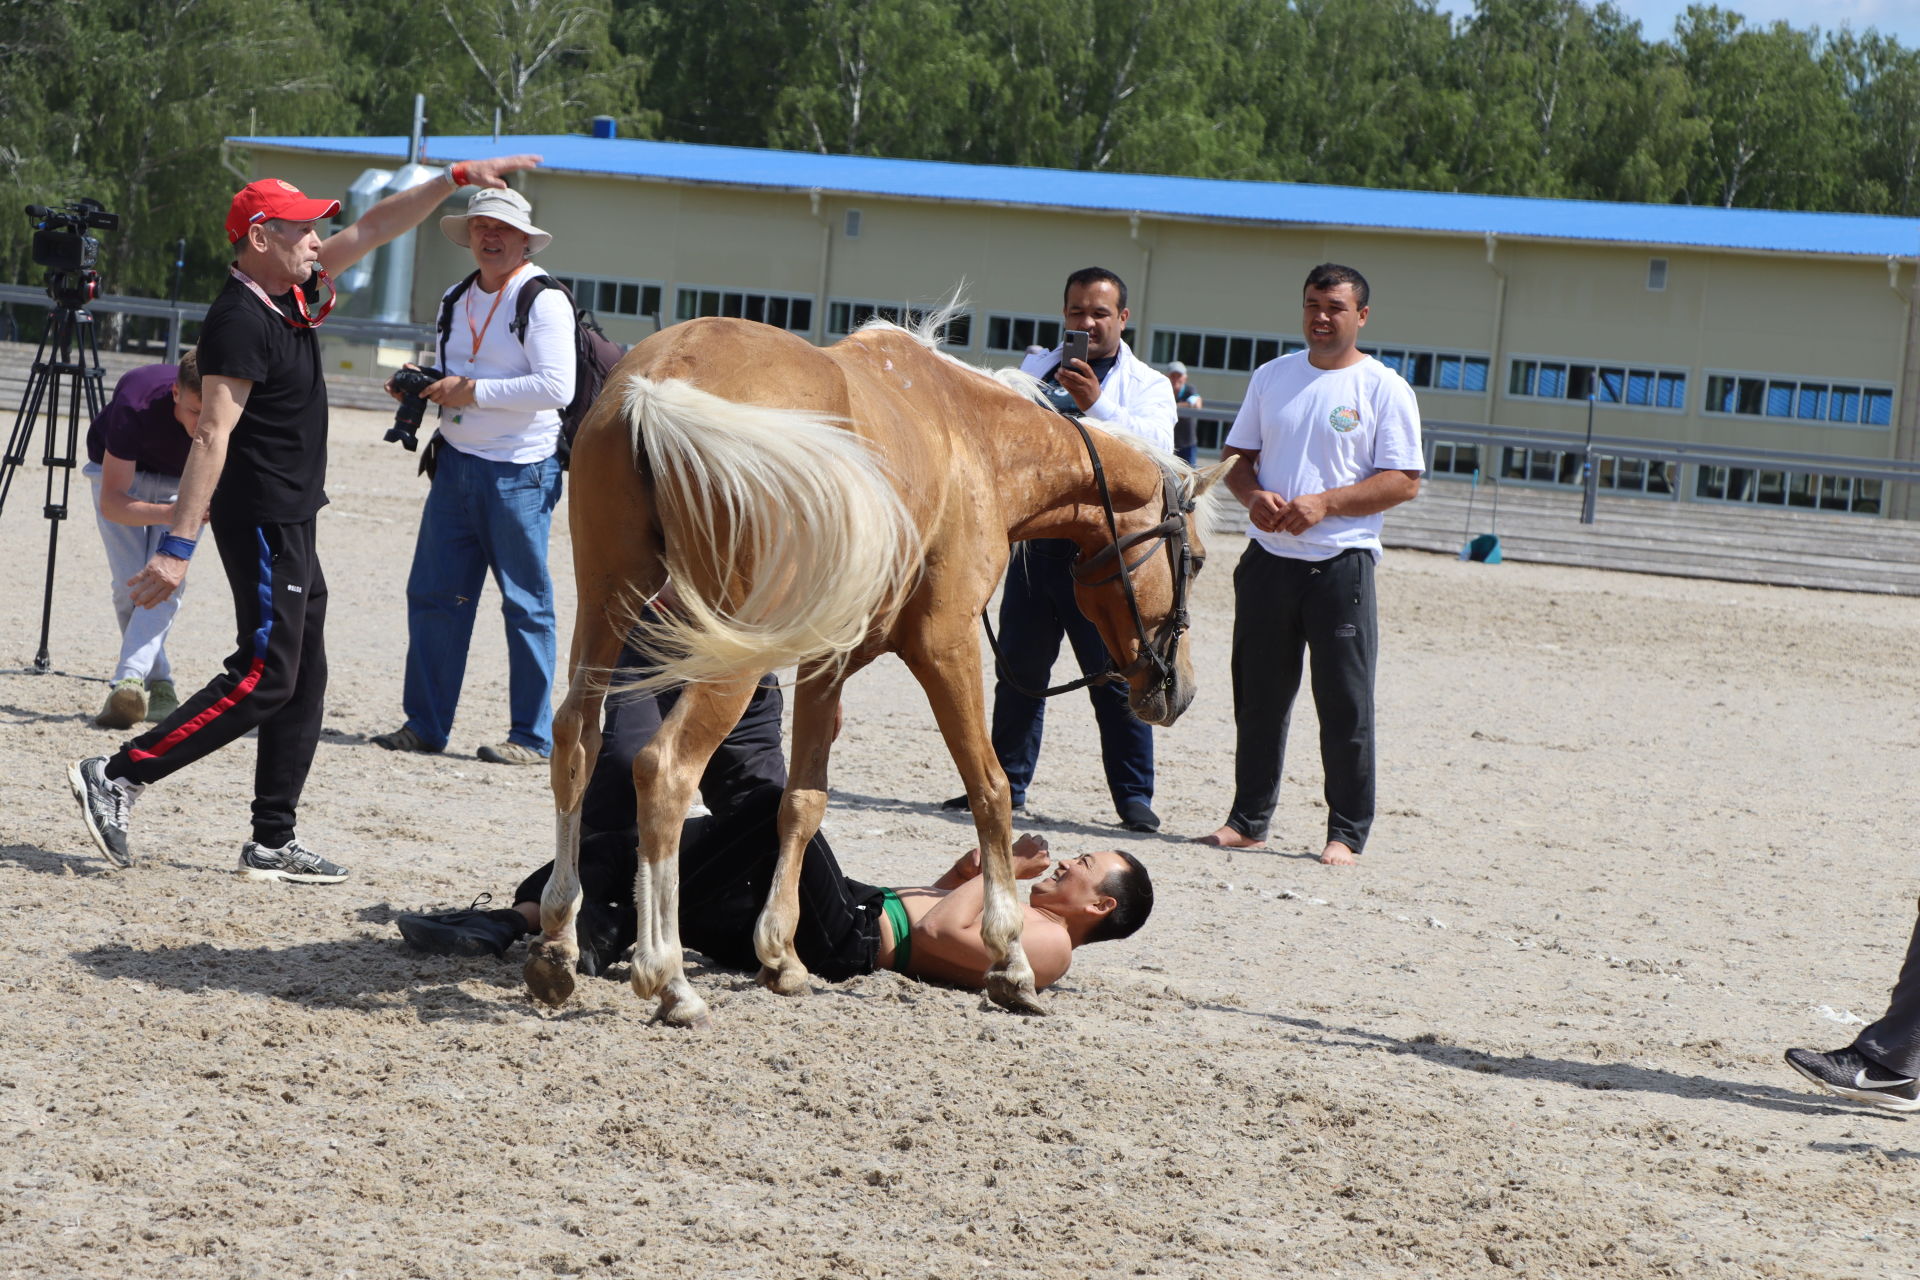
[(819, 508)]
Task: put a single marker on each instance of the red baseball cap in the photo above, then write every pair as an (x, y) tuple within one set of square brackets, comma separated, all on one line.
[(272, 198)]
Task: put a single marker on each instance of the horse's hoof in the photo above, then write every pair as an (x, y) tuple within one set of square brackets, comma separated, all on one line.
[(548, 973), (691, 1013), (1015, 996), (789, 980)]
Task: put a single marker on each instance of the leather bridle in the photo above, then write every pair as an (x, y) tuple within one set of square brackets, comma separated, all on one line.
[(1156, 652)]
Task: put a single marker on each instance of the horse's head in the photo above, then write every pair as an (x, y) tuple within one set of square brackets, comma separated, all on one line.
[(1134, 590)]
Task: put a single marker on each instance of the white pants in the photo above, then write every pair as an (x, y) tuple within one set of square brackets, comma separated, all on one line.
[(143, 632)]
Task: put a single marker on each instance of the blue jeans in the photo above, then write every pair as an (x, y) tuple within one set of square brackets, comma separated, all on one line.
[(482, 517), (143, 632)]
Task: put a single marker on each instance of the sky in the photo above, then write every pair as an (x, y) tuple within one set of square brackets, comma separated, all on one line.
[(1897, 18)]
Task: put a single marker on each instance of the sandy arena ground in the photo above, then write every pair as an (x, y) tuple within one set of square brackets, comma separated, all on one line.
[(1638, 836)]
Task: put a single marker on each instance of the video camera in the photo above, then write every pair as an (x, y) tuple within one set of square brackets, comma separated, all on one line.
[(61, 245)]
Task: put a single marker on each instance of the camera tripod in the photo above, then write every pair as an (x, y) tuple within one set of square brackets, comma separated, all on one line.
[(74, 367)]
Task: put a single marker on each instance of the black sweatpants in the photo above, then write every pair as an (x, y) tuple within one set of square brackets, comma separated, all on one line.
[(274, 681), (1894, 1041), (1284, 610), (727, 862)]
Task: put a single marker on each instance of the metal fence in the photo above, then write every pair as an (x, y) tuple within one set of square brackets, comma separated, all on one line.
[(24, 300), (1673, 470)]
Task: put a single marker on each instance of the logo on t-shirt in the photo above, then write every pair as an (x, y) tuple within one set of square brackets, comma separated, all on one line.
[(1344, 419)]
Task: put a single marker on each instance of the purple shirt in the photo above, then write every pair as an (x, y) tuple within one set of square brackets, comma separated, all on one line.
[(138, 423)]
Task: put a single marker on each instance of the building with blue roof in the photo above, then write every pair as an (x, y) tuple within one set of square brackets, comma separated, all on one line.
[(1730, 328)]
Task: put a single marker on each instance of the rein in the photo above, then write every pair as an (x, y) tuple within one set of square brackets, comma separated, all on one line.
[(1171, 530)]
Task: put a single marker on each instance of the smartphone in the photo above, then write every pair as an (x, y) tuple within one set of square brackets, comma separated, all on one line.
[(1074, 347)]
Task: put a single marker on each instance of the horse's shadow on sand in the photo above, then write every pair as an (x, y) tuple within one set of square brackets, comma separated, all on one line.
[(366, 974), (1601, 1076)]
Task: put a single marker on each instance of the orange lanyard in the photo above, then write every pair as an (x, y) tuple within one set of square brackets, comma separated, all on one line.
[(481, 333)]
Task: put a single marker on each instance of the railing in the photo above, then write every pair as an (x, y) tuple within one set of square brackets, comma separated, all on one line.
[(179, 315), (1577, 445)]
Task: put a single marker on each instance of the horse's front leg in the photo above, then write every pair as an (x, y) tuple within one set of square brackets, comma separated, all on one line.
[(948, 668), (665, 776), (816, 709), (576, 745)]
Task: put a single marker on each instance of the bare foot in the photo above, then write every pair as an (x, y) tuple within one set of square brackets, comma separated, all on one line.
[(1228, 838), (1337, 854)]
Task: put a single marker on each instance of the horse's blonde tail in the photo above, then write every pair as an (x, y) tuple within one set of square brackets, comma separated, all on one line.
[(790, 518)]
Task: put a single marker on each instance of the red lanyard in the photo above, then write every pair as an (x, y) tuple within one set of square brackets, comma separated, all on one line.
[(486, 324), (305, 320)]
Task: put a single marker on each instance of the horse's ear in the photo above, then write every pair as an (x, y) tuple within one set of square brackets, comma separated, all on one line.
[(1205, 480)]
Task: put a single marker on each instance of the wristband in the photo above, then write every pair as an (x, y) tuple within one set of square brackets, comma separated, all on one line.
[(458, 173), (178, 547)]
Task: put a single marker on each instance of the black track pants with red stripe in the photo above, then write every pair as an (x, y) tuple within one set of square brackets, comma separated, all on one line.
[(275, 681)]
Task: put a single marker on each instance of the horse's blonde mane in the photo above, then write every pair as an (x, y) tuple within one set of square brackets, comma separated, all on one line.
[(792, 515)]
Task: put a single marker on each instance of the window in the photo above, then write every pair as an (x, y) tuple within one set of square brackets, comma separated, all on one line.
[(853, 224), (613, 297), (1550, 379), (844, 315), (1436, 370), (789, 311), (1656, 274), (1210, 351), (1618, 473), (1455, 459), (1788, 489), (1805, 400), (1017, 333)]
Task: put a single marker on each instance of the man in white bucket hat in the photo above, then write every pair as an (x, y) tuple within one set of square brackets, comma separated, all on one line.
[(495, 480)]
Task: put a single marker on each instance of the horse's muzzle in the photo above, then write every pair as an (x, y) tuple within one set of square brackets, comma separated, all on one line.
[(1160, 704)]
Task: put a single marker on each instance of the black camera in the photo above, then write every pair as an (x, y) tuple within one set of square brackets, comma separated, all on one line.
[(61, 245), (410, 382)]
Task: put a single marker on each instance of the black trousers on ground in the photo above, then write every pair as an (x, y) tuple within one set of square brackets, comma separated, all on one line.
[(749, 757), (1285, 610), (274, 681), (1894, 1041), (726, 870), (1037, 609), (726, 860)]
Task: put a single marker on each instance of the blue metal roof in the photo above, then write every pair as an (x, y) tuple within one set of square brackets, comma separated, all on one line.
[(1275, 203)]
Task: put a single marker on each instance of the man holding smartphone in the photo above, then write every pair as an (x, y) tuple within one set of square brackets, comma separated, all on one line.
[(1092, 374)]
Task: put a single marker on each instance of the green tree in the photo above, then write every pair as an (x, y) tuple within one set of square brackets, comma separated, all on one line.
[(1883, 87), (1778, 132)]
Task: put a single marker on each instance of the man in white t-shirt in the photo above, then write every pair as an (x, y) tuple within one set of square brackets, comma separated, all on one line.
[(1332, 440), (496, 478)]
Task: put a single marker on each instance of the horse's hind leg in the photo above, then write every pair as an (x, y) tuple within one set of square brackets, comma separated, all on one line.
[(816, 703), (665, 776), (576, 745)]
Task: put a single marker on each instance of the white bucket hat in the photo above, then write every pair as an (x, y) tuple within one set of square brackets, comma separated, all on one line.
[(503, 204)]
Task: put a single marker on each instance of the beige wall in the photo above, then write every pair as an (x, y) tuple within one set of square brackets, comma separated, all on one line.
[(1835, 319)]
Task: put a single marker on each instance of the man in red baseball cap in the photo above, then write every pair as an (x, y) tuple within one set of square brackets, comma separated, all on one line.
[(257, 470)]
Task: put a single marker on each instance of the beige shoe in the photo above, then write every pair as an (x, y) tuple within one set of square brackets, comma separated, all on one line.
[(510, 753), (126, 705)]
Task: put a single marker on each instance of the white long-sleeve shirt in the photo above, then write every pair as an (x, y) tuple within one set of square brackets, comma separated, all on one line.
[(1135, 398), (519, 388)]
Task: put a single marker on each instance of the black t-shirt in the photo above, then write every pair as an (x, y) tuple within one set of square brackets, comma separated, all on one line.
[(276, 471)]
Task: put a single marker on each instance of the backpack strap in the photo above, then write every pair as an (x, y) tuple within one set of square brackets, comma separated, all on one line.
[(452, 296), (523, 304)]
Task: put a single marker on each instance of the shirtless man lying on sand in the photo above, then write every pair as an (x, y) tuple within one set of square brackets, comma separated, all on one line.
[(727, 859)]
